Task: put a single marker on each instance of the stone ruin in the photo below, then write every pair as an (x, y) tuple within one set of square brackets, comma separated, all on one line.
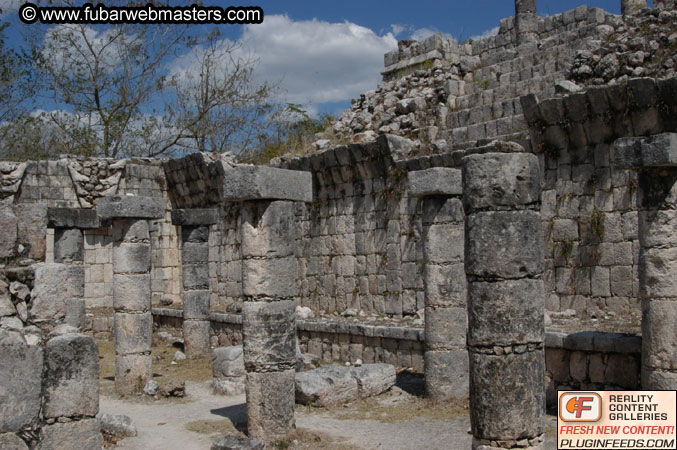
[(462, 219)]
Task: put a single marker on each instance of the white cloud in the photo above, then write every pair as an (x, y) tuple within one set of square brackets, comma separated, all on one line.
[(397, 29), (485, 34)]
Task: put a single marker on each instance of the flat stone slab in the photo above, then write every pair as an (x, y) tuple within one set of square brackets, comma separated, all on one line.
[(654, 151), (72, 218), (234, 442), (266, 183), (130, 206), (195, 217), (435, 181)]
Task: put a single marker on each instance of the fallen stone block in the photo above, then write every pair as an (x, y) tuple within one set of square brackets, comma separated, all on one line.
[(373, 379), (234, 442), (228, 362), (117, 425), (229, 385), (54, 283), (85, 434)]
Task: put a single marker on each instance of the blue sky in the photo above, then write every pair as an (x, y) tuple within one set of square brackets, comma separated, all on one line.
[(325, 53)]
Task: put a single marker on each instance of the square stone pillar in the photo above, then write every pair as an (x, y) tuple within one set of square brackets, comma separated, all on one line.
[(526, 21), (133, 322), (68, 224), (269, 283), (445, 357), (504, 263), (656, 158), (195, 225)]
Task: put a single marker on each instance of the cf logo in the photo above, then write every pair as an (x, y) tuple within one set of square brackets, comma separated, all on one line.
[(580, 406)]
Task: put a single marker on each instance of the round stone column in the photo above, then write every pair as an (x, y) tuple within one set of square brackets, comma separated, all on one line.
[(504, 263), (445, 357), (195, 225), (133, 322)]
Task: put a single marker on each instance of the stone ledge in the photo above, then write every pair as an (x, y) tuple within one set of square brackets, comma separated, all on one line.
[(195, 217), (435, 181), (72, 218), (266, 183), (130, 206)]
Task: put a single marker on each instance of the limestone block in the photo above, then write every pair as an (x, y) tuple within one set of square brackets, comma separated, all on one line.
[(133, 333), (194, 252), (130, 206), (443, 243), (132, 372), (329, 385), (20, 389), (493, 404), (196, 304), (10, 441), (505, 244), (195, 234), (71, 377), (659, 334), (6, 307), (272, 277), (373, 379), (234, 442), (32, 228), (434, 181), (195, 217), (131, 230), (266, 183), (196, 337), (269, 335), (229, 385), (658, 380), (8, 232), (658, 228), (658, 267), (445, 327), (442, 210), (131, 257), (505, 312), (446, 374), (62, 436), (131, 292), (270, 404), (54, 283), (445, 285), (72, 218), (118, 425), (500, 179), (525, 6), (195, 276), (228, 362), (654, 151), (268, 229), (75, 312)]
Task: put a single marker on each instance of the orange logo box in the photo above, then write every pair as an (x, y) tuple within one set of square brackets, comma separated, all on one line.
[(580, 407)]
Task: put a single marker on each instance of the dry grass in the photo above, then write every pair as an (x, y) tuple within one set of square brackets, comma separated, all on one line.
[(399, 411), (215, 427)]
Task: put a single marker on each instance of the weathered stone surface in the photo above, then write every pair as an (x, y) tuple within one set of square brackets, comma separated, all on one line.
[(493, 403), (54, 283), (659, 334), (68, 245), (266, 183), (268, 229), (501, 244), (445, 327), (62, 330), (658, 228), (658, 267), (229, 386), (654, 151), (195, 217), (238, 443), (435, 181), (269, 335), (373, 379), (20, 389), (329, 385), (71, 377), (270, 404), (130, 206), (445, 285), (505, 312), (75, 312), (272, 278), (8, 233), (61, 436), (446, 374), (194, 253), (133, 333), (10, 441), (32, 228), (196, 337), (500, 179), (228, 362), (6, 307), (131, 292), (196, 305), (132, 372), (131, 257), (131, 230), (658, 380), (118, 425), (72, 218), (443, 243)]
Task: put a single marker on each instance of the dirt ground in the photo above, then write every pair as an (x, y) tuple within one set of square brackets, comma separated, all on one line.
[(399, 419)]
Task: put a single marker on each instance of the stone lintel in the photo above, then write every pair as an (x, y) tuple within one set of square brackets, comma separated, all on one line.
[(435, 181), (82, 218), (267, 183), (130, 206), (644, 152), (195, 217)]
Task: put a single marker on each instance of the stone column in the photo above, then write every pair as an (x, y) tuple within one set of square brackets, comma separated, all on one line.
[(195, 269), (133, 322), (269, 284), (631, 7), (526, 21), (68, 224), (504, 263), (656, 156), (445, 357)]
